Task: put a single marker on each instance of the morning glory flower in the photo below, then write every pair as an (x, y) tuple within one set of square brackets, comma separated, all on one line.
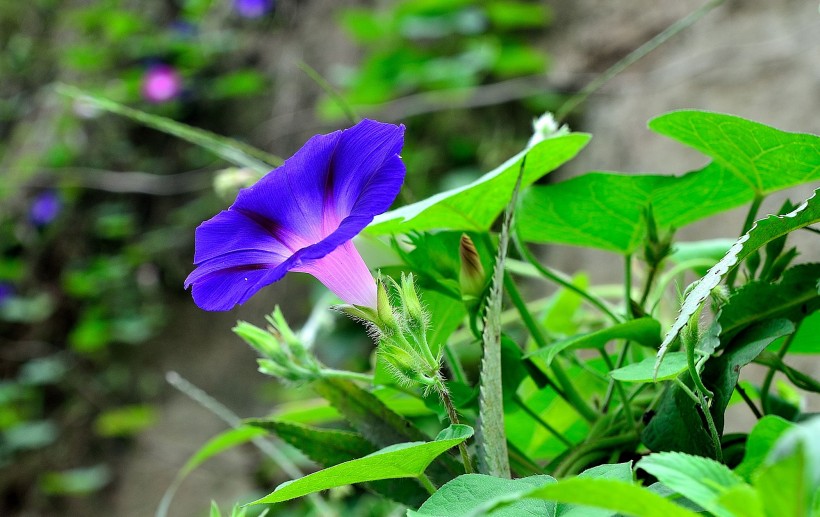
[(301, 217), (45, 208)]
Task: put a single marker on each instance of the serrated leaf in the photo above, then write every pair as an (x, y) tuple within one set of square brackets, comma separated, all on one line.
[(406, 460), (763, 231), (471, 493), (644, 371), (699, 479), (233, 151), (379, 424), (765, 158), (645, 331), (610, 494), (326, 447), (329, 447), (475, 206)]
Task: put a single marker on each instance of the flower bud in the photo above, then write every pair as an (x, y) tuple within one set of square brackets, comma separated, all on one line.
[(472, 277), (387, 320), (263, 342), (415, 316)]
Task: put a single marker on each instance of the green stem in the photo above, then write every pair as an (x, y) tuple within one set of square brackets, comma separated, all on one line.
[(535, 416), (331, 373), (767, 381), (585, 449), (330, 90), (454, 364), (558, 279), (748, 401), (427, 484), (452, 414), (628, 286), (233, 420), (630, 418), (650, 279), (634, 56), (572, 395), (747, 225), (712, 429)]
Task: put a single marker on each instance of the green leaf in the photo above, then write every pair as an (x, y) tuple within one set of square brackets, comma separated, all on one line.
[(379, 424), (329, 447), (805, 339), (406, 460), (761, 440), (645, 331), (760, 233), (742, 500), (678, 424), (125, 421), (644, 371), (233, 151), (783, 486), (610, 494), (218, 444), (367, 414), (700, 480), (765, 158), (793, 297), (789, 480), (617, 471), (721, 374), (606, 210), (475, 206), (324, 446), (81, 481), (471, 493), (602, 210)]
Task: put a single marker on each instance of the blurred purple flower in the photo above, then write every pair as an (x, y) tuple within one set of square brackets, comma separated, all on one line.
[(45, 208), (252, 8), (301, 217), (6, 292), (161, 83)]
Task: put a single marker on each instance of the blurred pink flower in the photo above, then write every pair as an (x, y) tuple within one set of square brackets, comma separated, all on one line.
[(161, 83)]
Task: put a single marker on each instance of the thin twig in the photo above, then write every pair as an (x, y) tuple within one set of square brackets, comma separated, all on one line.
[(633, 57)]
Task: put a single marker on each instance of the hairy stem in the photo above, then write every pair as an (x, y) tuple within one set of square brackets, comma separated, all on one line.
[(452, 414)]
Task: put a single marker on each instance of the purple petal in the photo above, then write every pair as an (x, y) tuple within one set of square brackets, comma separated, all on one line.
[(301, 217), (359, 160), (344, 272), (232, 230), (292, 197)]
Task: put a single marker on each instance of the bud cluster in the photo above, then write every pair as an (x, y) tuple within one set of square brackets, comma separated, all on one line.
[(283, 354), (400, 327)]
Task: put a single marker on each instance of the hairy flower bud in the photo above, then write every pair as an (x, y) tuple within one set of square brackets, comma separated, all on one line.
[(472, 277)]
